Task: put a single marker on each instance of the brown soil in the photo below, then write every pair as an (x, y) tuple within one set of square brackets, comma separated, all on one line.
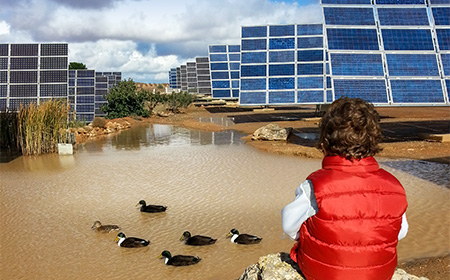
[(403, 128)]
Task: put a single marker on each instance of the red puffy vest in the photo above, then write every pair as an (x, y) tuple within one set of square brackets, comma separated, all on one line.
[(354, 234)]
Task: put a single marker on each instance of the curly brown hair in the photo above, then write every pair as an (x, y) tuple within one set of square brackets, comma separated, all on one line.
[(350, 128)]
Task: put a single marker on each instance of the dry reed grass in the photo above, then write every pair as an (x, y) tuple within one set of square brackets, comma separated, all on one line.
[(41, 127)]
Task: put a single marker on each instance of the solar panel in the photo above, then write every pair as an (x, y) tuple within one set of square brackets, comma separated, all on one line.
[(282, 30), (373, 90), (225, 66), (412, 64), (281, 63), (400, 2), (407, 16), (254, 44), (443, 36), (24, 50), (345, 64), (349, 16), (83, 88), (352, 39), (4, 50), (437, 2), (412, 91), (3, 77), (407, 39), (53, 90), (23, 77), (446, 64), (254, 31), (393, 60), (23, 63), (281, 97), (352, 2), (23, 90)]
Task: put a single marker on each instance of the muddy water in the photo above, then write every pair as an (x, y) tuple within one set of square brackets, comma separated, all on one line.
[(211, 183)]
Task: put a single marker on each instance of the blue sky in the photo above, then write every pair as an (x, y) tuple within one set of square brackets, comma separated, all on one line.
[(143, 39)]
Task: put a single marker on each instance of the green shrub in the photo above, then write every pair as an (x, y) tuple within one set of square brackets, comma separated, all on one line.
[(99, 122), (125, 100)]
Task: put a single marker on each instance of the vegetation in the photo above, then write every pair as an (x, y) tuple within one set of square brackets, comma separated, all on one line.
[(41, 127), (77, 66), (8, 131), (99, 122), (125, 100), (175, 101)]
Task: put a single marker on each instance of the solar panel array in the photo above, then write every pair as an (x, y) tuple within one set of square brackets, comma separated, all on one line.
[(173, 78), (224, 62), (191, 72), (82, 94), (392, 52), (282, 64), (203, 75), (32, 73), (389, 51), (183, 77), (104, 81)]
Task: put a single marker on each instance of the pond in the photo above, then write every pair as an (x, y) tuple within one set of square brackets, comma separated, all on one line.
[(211, 183)]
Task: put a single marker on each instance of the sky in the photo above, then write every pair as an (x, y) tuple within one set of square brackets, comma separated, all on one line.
[(143, 39)]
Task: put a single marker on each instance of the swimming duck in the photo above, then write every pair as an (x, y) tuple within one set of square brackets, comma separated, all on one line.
[(197, 240), (178, 260), (104, 228), (243, 238), (151, 208), (130, 242)]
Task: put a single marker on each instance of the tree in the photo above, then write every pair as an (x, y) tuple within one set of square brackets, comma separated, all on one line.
[(179, 100), (125, 100), (77, 66)]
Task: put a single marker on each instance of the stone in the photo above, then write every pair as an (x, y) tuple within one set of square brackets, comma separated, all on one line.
[(272, 132), (280, 266)]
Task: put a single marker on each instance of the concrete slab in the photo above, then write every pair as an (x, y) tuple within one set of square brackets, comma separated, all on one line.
[(65, 149), (436, 137)]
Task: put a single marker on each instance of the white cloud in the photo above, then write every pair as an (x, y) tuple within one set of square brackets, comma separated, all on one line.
[(4, 28), (123, 56)]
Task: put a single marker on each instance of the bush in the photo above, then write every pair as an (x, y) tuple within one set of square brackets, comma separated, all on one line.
[(125, 100), (99, 122), (179, 100)]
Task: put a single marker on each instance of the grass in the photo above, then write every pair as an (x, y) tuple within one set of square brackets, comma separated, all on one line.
[(41, 127)]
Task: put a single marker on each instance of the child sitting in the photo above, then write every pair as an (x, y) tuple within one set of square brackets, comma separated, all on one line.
[(348, 216)]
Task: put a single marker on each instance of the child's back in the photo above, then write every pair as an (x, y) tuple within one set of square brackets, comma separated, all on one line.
[(358, 209)]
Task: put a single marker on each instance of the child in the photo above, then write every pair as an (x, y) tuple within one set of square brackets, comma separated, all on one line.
[(348, 216)]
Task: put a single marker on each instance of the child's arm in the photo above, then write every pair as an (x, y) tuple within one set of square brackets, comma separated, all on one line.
[(298, 211), (404, 228)]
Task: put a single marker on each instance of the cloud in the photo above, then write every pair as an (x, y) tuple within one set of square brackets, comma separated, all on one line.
[(4, 28), (123, 56), (142, 35)]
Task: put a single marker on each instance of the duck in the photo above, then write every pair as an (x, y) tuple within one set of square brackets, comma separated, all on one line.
[(243, 238), (130, 242), (178, 260), (151, 208), (197, 240), (97, 226)]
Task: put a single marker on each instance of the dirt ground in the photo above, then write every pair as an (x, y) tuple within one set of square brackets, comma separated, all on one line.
[(403, 130)]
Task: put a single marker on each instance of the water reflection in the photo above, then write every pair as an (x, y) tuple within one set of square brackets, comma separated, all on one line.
[(138, 137), (219, 121)]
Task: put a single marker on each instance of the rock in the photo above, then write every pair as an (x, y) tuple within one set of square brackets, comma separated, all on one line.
[(280, 266), (272, 132)]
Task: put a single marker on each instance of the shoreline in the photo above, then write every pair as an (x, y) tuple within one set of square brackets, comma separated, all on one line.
[(196, 118)]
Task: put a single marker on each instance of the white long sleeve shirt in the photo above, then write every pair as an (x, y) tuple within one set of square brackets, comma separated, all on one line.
[(304, 206)]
